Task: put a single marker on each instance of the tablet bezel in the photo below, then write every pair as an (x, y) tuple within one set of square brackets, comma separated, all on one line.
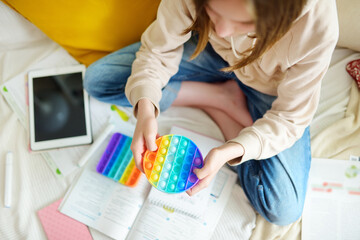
[(62, 142)]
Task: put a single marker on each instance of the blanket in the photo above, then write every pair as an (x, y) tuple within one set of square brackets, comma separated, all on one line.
[(335, 133)]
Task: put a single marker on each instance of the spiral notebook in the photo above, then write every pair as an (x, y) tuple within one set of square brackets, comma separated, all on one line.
[(123, 212), (192, 206)]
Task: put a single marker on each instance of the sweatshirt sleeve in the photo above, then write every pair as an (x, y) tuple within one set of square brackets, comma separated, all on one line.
[(310, 48), (160, 53)]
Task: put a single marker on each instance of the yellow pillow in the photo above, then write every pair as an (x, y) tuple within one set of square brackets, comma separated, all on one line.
[(89, 29)]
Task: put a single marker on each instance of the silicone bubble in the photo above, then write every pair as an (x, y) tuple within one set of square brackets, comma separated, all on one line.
[(170, 167), (117, 161)]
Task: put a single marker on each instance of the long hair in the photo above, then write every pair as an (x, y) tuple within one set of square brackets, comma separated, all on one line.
[(273, 19)]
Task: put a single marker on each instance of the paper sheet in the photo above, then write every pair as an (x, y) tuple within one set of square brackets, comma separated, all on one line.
[(154, 222), (332, 205), (102, 203)]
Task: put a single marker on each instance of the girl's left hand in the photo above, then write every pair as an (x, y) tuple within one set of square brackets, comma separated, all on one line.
[(216, 158)]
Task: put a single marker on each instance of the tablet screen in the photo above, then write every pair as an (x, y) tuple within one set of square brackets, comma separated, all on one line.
[(58, 106)]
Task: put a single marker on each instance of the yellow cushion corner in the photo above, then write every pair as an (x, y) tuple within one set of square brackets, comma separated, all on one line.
[(89, 30)]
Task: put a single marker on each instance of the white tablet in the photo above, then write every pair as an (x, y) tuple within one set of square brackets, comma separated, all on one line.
[(59, 113)]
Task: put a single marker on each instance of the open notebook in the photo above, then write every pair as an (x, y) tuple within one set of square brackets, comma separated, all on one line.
[(123, 212)]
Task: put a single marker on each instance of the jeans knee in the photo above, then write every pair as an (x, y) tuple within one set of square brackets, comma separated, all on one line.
[(282, 210), (282, 216), (90, 79)]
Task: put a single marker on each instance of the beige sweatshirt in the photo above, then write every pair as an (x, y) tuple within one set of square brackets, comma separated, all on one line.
[(292, 70)]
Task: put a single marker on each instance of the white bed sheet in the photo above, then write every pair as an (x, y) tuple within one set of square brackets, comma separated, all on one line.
[(35, 186)]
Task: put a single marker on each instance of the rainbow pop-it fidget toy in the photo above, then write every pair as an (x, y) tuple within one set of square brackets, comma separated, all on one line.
[(170, 167), (117, 161)]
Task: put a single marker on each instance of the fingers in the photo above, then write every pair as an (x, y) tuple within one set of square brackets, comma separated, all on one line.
[(205, 175), (213, 162), (150, 141), (138, 148), (144, 138), (216, 158), (206, 170), (203, 183)]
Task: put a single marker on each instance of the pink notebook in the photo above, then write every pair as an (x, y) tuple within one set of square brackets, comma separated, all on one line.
[(58, 226)]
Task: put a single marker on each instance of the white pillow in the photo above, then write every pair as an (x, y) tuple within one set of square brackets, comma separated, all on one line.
[(15, 30), (349, 19), (335, 91)]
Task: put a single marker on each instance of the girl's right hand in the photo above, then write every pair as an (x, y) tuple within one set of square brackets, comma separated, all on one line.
[(145, 131)]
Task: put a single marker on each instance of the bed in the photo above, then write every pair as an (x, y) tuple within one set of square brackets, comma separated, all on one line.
[(335, 131)]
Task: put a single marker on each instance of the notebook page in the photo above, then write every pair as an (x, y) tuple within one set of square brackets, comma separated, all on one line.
[(192, 206), (155, 222), (102, 203), (332, 203)]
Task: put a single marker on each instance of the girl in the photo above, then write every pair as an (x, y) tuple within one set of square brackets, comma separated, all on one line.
[(255, 66)]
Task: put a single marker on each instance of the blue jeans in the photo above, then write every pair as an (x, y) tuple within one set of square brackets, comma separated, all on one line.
[(275, 186)]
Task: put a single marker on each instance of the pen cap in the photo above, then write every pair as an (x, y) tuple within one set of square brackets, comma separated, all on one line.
[(9, 158)]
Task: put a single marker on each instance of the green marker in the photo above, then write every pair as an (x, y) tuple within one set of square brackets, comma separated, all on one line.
[(122, 114)]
